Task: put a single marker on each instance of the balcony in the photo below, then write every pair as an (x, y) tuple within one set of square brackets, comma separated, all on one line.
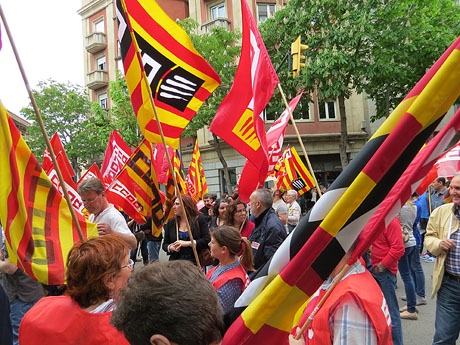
[(97, 79), (223, 22), (95, 42)]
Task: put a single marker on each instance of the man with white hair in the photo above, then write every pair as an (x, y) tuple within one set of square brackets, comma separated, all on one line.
[(294, 209), (269, 232)]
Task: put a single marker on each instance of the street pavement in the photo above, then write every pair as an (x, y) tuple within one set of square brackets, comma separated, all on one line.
[(419, 332)]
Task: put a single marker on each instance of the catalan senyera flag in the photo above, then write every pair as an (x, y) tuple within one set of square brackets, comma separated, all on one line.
[(275, 136), (170, 188), (38, 226), (195, 180), (238, 120), (292, 173), (180, 79), (310, 253), (138, 177)]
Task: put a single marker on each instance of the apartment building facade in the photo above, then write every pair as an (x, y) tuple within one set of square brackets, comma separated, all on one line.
[(319, 125)]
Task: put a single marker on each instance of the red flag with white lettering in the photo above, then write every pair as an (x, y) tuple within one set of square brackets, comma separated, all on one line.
[(116, 155)]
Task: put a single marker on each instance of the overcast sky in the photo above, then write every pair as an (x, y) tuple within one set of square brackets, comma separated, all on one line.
[(48, 37)]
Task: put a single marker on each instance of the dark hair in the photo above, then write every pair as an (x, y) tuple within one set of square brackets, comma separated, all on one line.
[(230, 237), (207, 196), (90, 184), (231, 211), (216, 206), (168, 298), (190, 207), (90, 265), (441, 180)]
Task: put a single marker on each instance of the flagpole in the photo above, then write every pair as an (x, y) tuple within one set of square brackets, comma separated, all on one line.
[(42, 127), (300, 140), (176, 186), (334, 283)]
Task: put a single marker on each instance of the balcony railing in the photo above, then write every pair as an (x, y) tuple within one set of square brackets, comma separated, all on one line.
[(223, 22), (95, 42), (97, 79)]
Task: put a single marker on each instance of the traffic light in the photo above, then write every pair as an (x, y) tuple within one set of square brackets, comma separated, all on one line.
[(298, 60)]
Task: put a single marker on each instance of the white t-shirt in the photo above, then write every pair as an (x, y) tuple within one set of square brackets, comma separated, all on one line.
[(112, 217)]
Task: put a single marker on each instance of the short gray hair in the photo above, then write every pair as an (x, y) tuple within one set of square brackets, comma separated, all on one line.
[(265, 196), (91, 184), (292, 192)]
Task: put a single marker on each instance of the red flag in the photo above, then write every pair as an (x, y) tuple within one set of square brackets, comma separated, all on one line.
[(160, 162), (275, 138), (238, 120), (93, 171), (66, 172), (61, 156), (446, 166), (116, 155)]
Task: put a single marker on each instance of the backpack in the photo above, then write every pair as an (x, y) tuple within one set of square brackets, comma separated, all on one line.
[(405, 233)]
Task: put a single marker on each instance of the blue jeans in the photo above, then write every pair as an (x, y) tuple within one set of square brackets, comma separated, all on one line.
[(154, 250), (18, 310), (387, 282), (447, 323), (406, 276), (417, 272)]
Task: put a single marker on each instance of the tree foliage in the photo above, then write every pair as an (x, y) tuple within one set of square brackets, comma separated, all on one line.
[(382, 47), (64, 109)]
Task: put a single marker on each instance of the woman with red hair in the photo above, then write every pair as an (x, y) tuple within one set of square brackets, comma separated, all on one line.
[(97, 271)]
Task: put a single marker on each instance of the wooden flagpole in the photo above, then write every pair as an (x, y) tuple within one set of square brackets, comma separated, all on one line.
[(334, 283), (144, 77), (298, 137), (42, 127)]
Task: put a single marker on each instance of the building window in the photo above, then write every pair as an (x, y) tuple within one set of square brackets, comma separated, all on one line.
[(265, 11), (301, 113), (223, 183), (99, 25), (218, 11), (102, 99), (327, 110), (120, 66), (100, 62)]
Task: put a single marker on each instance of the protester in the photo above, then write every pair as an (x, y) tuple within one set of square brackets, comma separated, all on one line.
[(6, 335), (442, 239), (107, 218), (407, 217), (207, 199), (269, 232), (429, 201), (97, 271), (177, 242), (387, 249), (237, 216), (294, 211), (23, 292), (220, 213), (229, 278), (153, 243), (169, 303), (354, 313), (280, 207)]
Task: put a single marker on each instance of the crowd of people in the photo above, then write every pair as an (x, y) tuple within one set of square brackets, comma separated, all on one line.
[(103, 303)]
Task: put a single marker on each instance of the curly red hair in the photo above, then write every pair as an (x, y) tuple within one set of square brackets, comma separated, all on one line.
[(91, 265)]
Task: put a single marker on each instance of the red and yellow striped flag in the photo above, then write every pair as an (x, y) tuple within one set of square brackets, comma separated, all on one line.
[(139, 178), (36, 219), (195, 180), (180, 79), (170, 189)]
